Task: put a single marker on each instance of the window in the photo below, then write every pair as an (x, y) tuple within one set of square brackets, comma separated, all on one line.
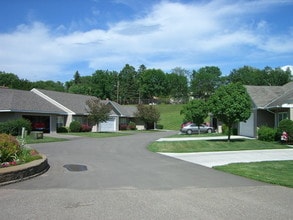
[(60, 121)]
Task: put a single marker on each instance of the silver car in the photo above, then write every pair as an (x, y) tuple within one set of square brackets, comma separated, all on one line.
[(193, 128)]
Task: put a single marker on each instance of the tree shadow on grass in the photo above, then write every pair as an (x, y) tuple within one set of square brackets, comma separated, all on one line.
[(226, 140)]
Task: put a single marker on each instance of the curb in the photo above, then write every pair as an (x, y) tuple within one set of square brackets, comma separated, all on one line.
[(23, 172)]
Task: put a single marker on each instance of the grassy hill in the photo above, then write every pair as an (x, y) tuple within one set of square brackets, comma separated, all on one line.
[(170, 116)]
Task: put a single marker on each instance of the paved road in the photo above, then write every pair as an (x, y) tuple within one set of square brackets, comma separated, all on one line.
[(125, 181)]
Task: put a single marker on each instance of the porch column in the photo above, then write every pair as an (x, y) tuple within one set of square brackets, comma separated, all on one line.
[(53, 122), (68, 120)]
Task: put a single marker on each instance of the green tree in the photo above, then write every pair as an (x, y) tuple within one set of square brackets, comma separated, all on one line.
[(230, 104), (49, 85), (128, 91), (98, 111), (77, 78), (12, 81), (276, 77), (149, 114), (152, 83), (195, 111), (177, 87), (105, 84), (247, 75), (205, 81)]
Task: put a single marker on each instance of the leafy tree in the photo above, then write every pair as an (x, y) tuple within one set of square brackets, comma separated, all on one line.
[(77, 78), (267, 77), (98, 111), (12, 81), (141, 69), (195, 111), (153, 83), (149, 114), (247, 75), (49, 85), (128, 85), (105, 84), (205, 81), (177, 86), (276, 77), (230, 104), (84, 89)]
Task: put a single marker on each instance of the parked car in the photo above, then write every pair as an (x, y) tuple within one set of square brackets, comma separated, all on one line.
[(38, 126), (193, 128), (185, 124)]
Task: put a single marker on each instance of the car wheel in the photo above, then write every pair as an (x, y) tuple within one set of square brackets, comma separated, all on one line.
[(189, 131), (209, 130)]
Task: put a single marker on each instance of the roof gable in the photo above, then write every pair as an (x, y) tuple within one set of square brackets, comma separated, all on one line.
[(73, 103), (270, 96), (13, 100)]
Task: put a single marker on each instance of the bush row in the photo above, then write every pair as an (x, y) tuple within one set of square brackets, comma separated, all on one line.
[(271, 134), (130, 126), (75, 126), (14, 127)]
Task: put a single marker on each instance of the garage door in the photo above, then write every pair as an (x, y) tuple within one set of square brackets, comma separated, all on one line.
[(108, 126)]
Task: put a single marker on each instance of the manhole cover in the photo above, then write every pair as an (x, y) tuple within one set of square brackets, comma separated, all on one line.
[(75, 167)]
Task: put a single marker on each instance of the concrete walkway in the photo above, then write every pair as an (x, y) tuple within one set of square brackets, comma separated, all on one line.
[(211, 159), (203, 138)]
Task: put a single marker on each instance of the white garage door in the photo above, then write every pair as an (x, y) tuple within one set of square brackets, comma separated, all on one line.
[(108, 126), (247, 128)]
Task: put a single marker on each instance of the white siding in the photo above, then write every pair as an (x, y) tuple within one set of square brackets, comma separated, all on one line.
[(247, 128)]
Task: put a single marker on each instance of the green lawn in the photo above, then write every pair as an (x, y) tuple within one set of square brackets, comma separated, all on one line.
[(170, 116), (31, 140), (275, 172), (212, 145)]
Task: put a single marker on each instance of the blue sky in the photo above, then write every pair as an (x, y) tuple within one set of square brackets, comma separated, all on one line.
[(51, 39)]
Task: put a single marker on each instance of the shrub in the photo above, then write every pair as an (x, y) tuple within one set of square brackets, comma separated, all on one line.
[(62, 130), (285, 125), (132, 126), (159, 126), (123, 127), (266, 133), (14, 127), (75, 126), (86, 128), (9, 148)]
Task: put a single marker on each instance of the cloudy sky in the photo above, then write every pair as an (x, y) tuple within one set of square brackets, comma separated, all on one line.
[(51, 39)]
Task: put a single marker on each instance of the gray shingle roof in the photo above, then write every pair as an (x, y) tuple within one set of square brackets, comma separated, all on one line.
[(45, 101), (25, 101), (74, 102), (271, 96)]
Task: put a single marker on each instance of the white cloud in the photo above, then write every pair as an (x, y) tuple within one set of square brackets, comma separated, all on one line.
[(171, 34)]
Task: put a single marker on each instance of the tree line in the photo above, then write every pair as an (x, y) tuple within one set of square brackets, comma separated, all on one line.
[(131, 86)]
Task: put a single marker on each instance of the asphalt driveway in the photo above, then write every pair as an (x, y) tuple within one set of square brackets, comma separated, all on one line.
[(123, 180)]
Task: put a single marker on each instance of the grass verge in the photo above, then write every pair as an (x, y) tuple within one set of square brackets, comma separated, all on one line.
[(31, 140), (212, 145), (170, 116), (275, 172)]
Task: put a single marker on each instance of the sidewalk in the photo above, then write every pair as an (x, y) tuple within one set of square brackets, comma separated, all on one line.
[(210, 159), (203, 138)]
